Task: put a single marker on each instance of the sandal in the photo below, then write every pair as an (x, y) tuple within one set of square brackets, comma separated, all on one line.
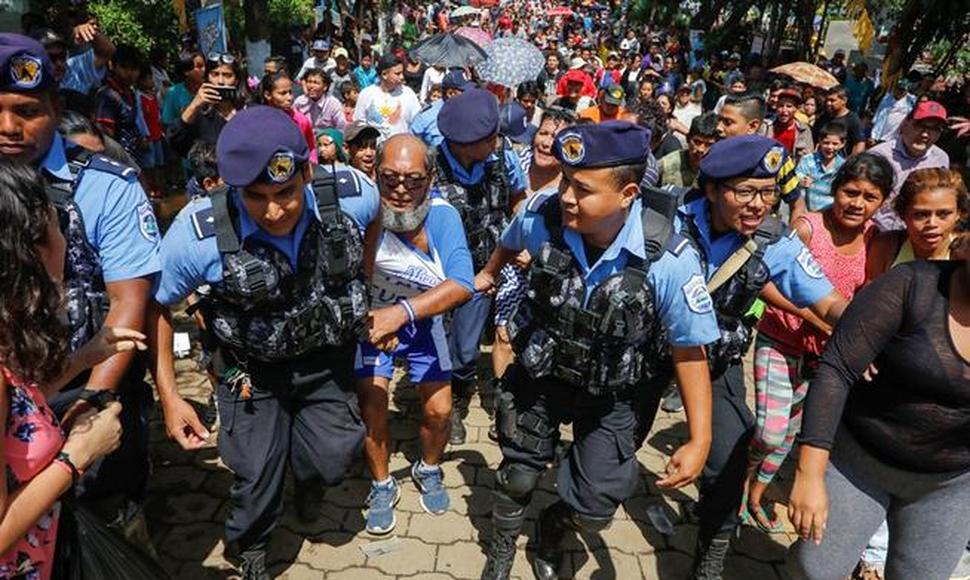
[(758, 517)]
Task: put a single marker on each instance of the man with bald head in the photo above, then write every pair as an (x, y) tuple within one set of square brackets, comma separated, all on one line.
[(422, 269)]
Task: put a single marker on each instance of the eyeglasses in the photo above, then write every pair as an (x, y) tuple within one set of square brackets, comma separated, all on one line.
[(412, 182), (217, 58), (745, 195)]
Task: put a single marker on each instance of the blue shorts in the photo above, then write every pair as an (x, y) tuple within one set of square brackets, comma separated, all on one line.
[(423, 345)]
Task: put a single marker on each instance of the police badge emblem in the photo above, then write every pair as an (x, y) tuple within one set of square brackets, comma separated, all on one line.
[(281, 167), (26, 71), (147, 224), (573, 149), (773, 159)]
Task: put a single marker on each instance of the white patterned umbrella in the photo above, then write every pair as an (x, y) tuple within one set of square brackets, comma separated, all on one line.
[(511, 61)]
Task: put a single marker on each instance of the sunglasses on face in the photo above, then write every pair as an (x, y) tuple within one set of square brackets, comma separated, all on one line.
[(413, 181)]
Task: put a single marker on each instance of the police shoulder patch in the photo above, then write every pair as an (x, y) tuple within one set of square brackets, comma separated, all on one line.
[(808, 263), (106, 165), (204, 223), (147, 224), (698, 298)]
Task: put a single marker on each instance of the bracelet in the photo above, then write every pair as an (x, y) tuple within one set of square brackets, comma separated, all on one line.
[(409, 310), (64, 460)]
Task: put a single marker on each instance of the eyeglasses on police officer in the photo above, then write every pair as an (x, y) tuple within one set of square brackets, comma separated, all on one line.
[(745, 195)]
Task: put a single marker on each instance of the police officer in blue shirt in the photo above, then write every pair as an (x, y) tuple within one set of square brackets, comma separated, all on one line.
[(482, 178), (608, 280), (425, 123), (112, 256), (743, 248), (281, 249)]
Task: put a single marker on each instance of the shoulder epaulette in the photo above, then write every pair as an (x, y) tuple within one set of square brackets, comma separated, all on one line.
[(102, 163), (204, 223)]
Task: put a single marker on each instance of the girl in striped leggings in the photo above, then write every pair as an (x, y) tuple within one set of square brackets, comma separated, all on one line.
[(789, 340)]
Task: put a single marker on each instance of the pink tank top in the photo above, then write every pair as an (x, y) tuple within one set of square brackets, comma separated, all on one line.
[(31, 441), (846, 273)]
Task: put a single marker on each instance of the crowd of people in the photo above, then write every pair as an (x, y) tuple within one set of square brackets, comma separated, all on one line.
[(626, 226)]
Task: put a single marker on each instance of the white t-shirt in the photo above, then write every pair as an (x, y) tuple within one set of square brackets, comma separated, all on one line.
[(432, 76), (312, 62), (391, 113), (686, 114)]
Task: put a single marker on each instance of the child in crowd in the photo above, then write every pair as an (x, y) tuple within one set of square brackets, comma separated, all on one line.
[(330, 146), (276, 90), (816, 171), (115, 105), (786, 348), (348, 96), (152, 157)]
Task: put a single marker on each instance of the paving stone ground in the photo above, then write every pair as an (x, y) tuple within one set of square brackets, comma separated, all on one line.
[(188, 501)]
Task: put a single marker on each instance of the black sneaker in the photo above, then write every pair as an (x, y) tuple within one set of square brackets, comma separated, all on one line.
[(254, 565), (672, 403), (550, 531), (709, 561), (458, 434)]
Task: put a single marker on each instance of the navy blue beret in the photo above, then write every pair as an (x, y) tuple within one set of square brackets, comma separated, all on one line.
[(24, 65), (606, 144), (514, 122), (745, 156), (260, 144), (469, 117), (454, 79)]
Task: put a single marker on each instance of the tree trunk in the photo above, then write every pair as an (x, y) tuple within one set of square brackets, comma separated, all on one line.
[(256, 20)]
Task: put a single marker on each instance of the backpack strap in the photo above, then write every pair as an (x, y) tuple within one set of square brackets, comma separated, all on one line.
[(328, 206), (227, 239), (770, 231)]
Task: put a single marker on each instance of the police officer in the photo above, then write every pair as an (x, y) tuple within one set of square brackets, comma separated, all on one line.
[(608, 280), (112, 257), (742, 248), (482, 178), (425, 123), (281, 250)]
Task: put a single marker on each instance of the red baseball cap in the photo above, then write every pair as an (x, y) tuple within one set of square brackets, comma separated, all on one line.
[(928, 110)]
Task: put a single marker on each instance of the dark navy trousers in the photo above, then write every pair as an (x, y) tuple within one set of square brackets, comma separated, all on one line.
[(301, 414), (465, 336)]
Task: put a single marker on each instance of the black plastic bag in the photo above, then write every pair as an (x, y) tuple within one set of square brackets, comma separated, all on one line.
[(87, 549)]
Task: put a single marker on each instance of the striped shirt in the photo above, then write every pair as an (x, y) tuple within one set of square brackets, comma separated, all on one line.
[(820, 192)]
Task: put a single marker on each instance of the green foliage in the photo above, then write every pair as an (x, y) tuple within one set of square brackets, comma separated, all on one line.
[(283, 13), (145, 24)]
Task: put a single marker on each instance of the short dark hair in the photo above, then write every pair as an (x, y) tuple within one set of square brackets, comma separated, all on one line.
[(317, 72), (752, 105), (626, 174), (127, 56), (838, 90), (652, 117), (186, 63), (703, 126), (268, 82), (832, 130), (346, 87), (202, 160), (528, 88)]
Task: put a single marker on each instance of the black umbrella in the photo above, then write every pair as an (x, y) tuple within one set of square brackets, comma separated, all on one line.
[(448, 50)]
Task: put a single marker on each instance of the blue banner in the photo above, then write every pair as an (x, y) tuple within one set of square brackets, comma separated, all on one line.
[(211, 27)]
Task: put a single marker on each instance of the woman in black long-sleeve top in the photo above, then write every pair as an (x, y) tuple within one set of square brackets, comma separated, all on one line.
[(900, 445)]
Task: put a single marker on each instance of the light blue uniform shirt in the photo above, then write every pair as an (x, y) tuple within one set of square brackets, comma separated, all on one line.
[(82, 75), (465, 177), (790, 264), (188, 262), (119, 221), (425, 124), (681, 298)]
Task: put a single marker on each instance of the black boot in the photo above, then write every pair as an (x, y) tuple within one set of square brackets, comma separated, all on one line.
[(709, 560), (551, 528), (254, 564), (507, 518), (459, 408), (489, 402)]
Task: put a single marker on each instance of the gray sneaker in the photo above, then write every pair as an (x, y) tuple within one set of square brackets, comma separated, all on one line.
[(672, 403)]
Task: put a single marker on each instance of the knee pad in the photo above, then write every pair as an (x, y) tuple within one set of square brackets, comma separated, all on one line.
[(586, 523), (516, 481)]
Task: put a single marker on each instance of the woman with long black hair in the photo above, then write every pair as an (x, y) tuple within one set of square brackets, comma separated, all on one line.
[(39, 461), (222, 93)]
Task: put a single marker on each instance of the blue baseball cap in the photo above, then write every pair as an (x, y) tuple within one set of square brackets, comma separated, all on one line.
[(743, 156), (469, 117), (260, 144), (320, 44), (454, 79), (606, 144), (24, 64), (514, 123)]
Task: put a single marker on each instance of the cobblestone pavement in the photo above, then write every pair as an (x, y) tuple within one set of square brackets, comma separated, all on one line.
[(188, 501)]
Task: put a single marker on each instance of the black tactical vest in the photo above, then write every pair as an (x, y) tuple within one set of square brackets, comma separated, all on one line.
[(86, 299), (265, 311), (616, 339), (736, 296), (484, 207)]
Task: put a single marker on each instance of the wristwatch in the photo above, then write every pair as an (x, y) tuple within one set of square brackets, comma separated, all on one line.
[(98, 399)]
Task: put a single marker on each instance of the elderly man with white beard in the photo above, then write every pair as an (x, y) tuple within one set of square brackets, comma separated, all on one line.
[(422, 269)]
